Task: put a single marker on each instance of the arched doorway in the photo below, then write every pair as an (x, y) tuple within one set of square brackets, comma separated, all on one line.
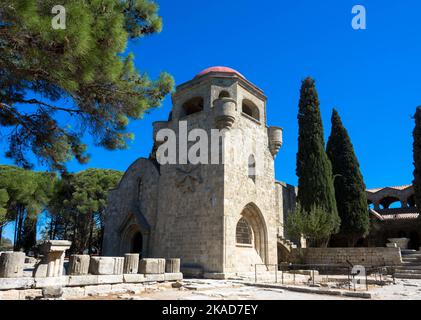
[(253, 219), (137, 243)]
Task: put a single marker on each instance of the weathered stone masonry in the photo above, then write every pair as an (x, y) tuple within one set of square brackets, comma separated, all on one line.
[(192, 211)]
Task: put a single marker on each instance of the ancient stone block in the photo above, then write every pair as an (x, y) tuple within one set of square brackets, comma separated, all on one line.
[(173, 276), (172, 265), (133, 278), (154, 277), (73, 292), (30, 294), (16, 283), (152, 266), (131, 263), (79, 264), (83, 280), (118, 265), (106, 265), (9, 295), (113, 278), (40, 270), (11, 264), (50, 281)]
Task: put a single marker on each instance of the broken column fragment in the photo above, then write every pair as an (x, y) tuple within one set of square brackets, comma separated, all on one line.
[(131, 263), (152, 266), (79, 264), (172, 265), (11, 264), (106, 265)]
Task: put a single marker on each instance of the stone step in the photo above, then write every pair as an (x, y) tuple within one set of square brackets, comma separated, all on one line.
[(408, 251), (410, 259), (409, 267), (407, 276), (409, 271), (415, 255)]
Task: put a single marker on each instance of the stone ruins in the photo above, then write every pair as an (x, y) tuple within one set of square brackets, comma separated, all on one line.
[(81, 276)]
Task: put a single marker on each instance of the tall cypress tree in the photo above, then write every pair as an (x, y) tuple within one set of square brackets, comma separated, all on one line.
[(314, 171), (351, 199), (417, 157)]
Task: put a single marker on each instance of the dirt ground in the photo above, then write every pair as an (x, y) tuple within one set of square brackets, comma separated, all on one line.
[(230, 290)]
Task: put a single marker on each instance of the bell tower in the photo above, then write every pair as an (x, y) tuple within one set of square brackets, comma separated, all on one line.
[(220, 218)]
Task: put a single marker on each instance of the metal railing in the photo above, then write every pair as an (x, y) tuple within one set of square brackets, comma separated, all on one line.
[(378, 272)]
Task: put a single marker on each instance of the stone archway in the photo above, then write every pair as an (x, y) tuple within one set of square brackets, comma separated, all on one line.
[(255, 220), (134, 240)]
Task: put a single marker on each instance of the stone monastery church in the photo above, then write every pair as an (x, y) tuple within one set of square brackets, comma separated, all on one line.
[(220, 219)]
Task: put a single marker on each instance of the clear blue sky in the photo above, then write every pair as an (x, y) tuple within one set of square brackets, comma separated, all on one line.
[(373, 76)]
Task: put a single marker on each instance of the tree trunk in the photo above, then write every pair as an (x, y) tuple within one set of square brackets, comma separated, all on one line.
[(18, 227), (15, 234), (91, 229), (29, 235), (51, 228), (66, 224)]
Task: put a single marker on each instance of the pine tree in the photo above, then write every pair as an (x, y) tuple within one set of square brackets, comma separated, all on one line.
[(78, 205), (58, 84), (417, 157), (28, 193), (314, 171), (351, 199)]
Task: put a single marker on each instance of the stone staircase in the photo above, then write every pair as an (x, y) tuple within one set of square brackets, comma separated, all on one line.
[(411, 265), (288, 244)]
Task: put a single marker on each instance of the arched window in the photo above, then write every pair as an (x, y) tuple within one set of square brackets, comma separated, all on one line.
[(243, 233), (224, 94), (252, 168), (192, 106), (250, 109)]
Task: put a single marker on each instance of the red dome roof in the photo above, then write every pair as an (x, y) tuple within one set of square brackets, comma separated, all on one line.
[(219, 69)]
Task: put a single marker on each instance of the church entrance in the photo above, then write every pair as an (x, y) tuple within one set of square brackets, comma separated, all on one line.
[(251, 231), (137, 243)]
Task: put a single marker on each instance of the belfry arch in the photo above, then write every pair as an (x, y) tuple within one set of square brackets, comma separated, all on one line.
[(254, 218)]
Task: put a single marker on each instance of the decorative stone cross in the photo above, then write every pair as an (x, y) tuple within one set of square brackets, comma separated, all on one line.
[(188, 178)]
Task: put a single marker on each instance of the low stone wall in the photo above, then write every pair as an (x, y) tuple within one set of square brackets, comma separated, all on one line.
[(368, 257), (80, 286), (85, 275)]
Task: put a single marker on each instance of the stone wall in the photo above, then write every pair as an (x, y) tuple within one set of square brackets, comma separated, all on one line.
[(191, 210), (368, 257), (80, 286)]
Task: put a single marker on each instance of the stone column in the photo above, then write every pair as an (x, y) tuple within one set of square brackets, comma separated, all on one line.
[(172, 265), (131, 263), (79, 264), (51, 264), (11, 264)]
